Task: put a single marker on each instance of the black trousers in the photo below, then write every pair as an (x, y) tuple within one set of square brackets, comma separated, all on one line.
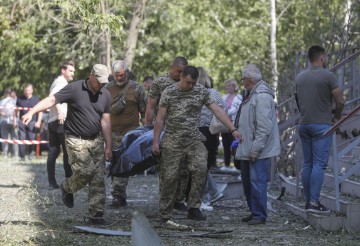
[(227, 139), (56, 140), (27, 132), (211, 144), (245, 177)]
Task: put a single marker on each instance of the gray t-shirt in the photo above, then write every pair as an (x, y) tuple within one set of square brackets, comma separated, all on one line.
[(313, 88)]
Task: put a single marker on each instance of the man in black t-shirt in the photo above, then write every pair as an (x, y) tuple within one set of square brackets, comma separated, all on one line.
[(88, 115), (27, 132)]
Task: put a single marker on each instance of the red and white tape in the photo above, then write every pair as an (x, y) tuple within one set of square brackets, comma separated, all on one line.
[(14, 107), (15, 141)]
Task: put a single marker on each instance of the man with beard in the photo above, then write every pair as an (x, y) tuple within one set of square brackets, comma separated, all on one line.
[(124, 118)]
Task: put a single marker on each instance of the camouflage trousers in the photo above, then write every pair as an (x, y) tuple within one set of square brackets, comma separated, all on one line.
[(183, 181), (118, 184), (171, 166), (85, 159)]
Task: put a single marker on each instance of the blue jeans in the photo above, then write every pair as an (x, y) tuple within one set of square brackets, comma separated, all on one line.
[(316, 149), (255, 176)]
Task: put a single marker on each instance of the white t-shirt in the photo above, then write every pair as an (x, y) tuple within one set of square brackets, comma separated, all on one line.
[(59, 83), (7, 107)]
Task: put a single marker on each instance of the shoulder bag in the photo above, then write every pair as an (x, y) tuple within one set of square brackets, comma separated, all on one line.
[(217, 127), (119, 103)]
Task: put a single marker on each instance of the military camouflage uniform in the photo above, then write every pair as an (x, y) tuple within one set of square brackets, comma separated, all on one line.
[(182, 139), (159, 85), (124, 122), (85, 158), (119, 184), (157, 88)]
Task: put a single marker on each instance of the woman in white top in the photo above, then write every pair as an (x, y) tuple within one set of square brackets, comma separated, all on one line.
[(233, 101)]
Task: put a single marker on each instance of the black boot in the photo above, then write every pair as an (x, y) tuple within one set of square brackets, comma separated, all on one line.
[(195, 214), (68, 198)]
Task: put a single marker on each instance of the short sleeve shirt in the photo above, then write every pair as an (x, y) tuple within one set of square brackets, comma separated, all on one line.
[(25, 102), (183, 112), (84, 108), (7, 108), (159, 85), (59, 83), (128, 119), (313, 88)]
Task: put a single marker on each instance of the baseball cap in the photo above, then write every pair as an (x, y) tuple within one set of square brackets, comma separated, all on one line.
[(101, 72)]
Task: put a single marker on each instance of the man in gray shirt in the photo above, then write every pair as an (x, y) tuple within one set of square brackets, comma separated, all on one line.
[(315, 89)]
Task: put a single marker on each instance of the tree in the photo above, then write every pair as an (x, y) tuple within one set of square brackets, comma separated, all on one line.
[(138, 14), (36, 35), (274, 69)]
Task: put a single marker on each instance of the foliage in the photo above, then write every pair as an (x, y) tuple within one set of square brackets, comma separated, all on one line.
[(36, 36), (222, 36)]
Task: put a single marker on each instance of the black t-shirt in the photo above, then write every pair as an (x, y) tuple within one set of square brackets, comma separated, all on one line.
[(84, 108), (22, 101)]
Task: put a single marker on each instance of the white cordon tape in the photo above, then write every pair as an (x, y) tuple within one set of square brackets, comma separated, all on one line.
[(19, 108), (14, 141)]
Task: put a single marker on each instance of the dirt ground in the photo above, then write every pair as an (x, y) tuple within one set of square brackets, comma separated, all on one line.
[(33, 214)]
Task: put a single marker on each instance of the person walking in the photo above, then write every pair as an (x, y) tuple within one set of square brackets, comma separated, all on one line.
[(157, 88), (260, 141), (57, 117), (316, 88), (124, 119), (29, 131), (180, 106), (86, 128)]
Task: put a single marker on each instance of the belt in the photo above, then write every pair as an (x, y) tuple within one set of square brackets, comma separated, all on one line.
[(68, 135)]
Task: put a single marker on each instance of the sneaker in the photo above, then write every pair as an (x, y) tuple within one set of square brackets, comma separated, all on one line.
[(180, 206), (217, 197), (247, 219), (205, 207), (319, 208), (224, 168), (67, 198), (164, 220), (119, 202), (256, 222), (97, 219), (195, 214), (233, 169)]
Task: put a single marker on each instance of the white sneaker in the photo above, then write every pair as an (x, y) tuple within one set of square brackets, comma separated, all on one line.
[(233, 169), (205, 207), (224, 168)]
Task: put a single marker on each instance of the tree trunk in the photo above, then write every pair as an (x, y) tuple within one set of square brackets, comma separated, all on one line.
[(138, 14), (274, 69), (105, 45)]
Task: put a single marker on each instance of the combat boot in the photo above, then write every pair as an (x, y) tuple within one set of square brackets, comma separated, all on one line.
[(195, 214)]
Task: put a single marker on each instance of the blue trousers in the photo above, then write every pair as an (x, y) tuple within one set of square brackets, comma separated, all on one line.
[(255, 176), (316, 150)]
